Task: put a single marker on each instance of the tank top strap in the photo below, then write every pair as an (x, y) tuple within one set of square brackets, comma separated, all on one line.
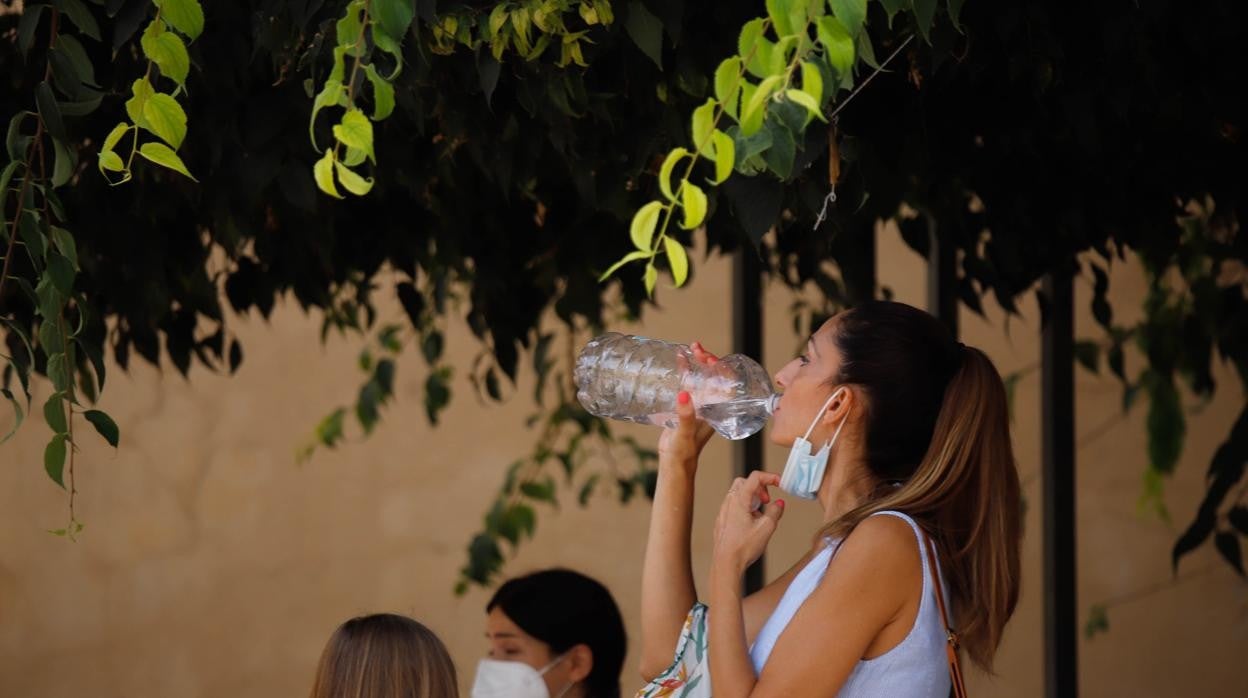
[(931, 572)]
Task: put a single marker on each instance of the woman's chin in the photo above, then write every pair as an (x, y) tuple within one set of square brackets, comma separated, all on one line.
[(779, 438)]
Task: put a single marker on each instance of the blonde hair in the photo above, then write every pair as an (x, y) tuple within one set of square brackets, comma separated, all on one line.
[(384, 656), (964, 489)]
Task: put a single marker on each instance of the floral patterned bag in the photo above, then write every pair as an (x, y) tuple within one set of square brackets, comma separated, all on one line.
[(689, 676)]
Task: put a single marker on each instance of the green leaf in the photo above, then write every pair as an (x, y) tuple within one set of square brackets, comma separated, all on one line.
[(165, 118), (77, 56), (650, 277), (62, 274), (955, 13), (644, 29), (331, 93), (82, 18), (140, 91), (64, 162), (167, 51), (6, 176), (703, 125), (329, 430), (725, 156), (18, 414), (394, 17), (783, 151), (693, 200), (437, 394), (806, 100), (1088, 354), (838, 45), (1227, 544), (350, 28), (1098, 621), (351, 181), (630, 257), (54, 413), (866, 52), (431, 346), (353, 157), (754, 110), (111, 161), (644, 222), (678, 260), (1238, 517), (851, 13), (323, 172), (665, 172), (26, 26), (83, 107), (754, 49), (160, 154), (114, 136), (812, 83), (50, 111), (383, 93), (64, 241), (1167, 424), (58, 372), (540, 491), (356, 131), (779, 12), (891, 7), (924, 12), (728, 84), (587, 489), (50, 338), (184, 15), (54, 459)]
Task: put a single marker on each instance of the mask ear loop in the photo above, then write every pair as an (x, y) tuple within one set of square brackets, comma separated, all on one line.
[(821, 411)]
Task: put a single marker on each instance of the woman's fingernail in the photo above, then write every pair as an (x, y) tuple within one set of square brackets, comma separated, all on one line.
[(780, 503), (682, 397)]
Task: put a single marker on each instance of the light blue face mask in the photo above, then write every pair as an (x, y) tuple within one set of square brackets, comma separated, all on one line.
[(803, 472)]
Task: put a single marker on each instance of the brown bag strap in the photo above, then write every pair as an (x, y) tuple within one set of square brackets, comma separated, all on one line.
[(951, 645)]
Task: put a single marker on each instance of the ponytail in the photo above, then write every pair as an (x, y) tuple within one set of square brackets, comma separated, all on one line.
[(964, 491)]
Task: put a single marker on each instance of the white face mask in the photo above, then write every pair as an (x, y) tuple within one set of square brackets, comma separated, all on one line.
[(498, 679), (803, 472)]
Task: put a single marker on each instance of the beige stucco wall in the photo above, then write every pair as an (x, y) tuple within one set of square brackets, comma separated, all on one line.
[(212, 565)]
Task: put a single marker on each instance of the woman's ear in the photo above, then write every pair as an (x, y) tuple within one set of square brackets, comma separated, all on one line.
[(580, 663), (842, 405)]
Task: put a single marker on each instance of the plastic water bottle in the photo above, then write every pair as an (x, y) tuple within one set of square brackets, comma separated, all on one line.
[(637, 379)]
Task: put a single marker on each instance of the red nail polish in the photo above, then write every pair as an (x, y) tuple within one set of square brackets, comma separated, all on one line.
[(780, 503), (682, 397)]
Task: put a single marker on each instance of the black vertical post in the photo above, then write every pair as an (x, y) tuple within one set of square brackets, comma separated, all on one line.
[(747, 338), (1061, 640), (942, 279)]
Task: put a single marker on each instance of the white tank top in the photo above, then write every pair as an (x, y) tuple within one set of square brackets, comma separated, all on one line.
[(917, 667)]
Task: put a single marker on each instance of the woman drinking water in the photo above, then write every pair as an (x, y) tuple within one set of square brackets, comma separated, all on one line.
[(901, 434)]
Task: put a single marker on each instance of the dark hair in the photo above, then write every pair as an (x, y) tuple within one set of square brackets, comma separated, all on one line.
[(384, 656), (902, 358), (938, 423), (563, 609)]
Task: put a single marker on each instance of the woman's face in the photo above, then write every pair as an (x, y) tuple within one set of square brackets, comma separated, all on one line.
[(806, 382), (509, 643)]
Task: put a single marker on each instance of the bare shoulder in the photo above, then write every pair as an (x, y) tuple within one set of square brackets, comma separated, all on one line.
[(881, 546)]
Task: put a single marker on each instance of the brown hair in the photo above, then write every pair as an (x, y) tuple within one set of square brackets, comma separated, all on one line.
[(384, 656), (938, 423)]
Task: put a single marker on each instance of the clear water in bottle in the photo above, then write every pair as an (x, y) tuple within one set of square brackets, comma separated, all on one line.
[(637, 379)]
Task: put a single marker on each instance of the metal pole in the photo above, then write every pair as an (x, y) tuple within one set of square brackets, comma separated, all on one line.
[(1061, 639), (747, 338)]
